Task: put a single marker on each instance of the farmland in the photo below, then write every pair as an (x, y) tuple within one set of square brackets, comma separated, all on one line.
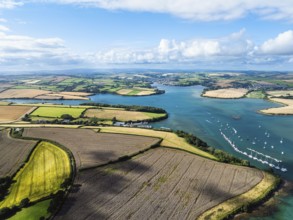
[(284, 110), (23, 93), (121, 115), (12, 113), (41, 176), (136, 91), (90, 148), (159, 184), (57, 112), (230, 93), (14, 153), (34, 212), (169, 139)]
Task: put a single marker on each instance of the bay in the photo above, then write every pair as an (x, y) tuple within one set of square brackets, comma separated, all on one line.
[(262, 137)]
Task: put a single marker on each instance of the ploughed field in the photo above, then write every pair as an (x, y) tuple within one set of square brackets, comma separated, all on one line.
[(158, 184), (14, 152), (90, 148)]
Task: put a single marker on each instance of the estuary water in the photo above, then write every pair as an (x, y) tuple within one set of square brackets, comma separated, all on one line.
[(232, 125)]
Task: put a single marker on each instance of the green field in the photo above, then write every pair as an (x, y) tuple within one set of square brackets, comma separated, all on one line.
[(41, 176), (256, 95), (57, 112), (34, 212)]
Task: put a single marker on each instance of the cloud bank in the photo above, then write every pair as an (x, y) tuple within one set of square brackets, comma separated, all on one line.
[(208, 10)]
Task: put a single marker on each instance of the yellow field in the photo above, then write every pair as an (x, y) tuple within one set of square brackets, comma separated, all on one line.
[(253, 195), (230, 93), (169, 139), (42, 175), (280, 93), (120, 114), (285, 110)]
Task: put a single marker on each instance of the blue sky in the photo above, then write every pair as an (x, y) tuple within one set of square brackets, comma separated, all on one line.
[(214, 34)]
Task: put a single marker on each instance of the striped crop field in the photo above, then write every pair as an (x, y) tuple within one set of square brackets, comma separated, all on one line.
[(43, 174)]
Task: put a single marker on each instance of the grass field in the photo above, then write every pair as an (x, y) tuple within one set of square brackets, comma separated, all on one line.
[(42, 175), (230, 93), (12, 113), (169, 139), (256, 95), (57, 112), (34, 212), (121, 115)]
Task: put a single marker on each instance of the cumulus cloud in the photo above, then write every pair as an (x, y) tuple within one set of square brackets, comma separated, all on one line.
[(281, 45), (17, 50), (235, 45), (207, 10)]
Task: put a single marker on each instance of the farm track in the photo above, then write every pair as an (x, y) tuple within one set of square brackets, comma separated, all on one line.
[(93, 149), (158, 184), (14, 153)]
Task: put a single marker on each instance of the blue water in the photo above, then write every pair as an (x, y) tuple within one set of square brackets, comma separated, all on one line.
[(204, 117)]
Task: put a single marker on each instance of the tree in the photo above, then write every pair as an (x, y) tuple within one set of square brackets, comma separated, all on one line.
[(67, 116)]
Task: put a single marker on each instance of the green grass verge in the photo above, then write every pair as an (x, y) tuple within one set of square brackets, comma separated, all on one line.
[(42, 175), (34, 212), (57, 112)]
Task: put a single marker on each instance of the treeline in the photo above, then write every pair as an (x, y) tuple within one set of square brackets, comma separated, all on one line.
[(138, 108), (221, 155)]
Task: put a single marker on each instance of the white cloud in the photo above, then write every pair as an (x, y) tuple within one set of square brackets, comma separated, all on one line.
[(3, 20), (235, 45), (7, 4), (281, 45), (18, 50), (207, 10), (3, 28)]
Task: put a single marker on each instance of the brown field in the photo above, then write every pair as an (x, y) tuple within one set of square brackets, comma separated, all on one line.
[(12, 113), (285, 110), (21, 93), (13, 153), (90, 148), (159, 184), (42, 94), (223, 83), (230, 93), (121, 115)]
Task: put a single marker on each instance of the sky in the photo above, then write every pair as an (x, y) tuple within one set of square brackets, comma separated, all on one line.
[(167, 34)]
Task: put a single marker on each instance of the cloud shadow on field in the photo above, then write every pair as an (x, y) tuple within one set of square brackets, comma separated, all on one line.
[(94, 187)]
